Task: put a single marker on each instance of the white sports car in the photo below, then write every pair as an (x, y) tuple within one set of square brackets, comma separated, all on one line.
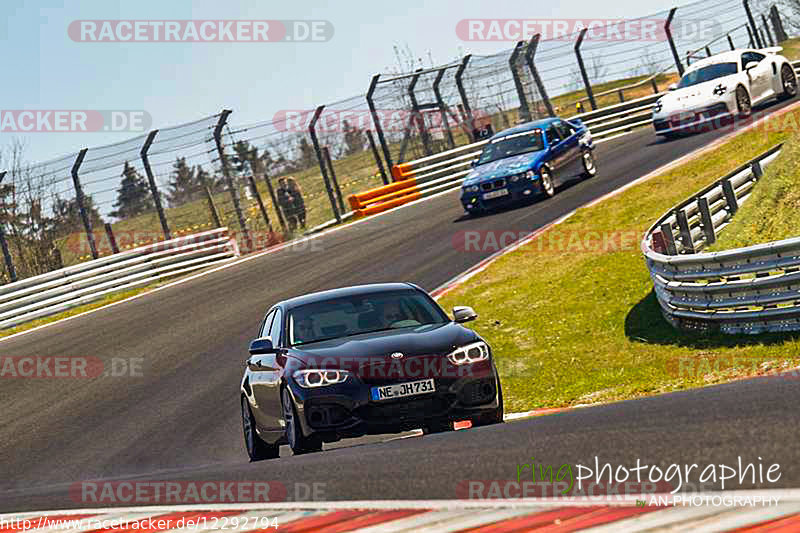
[(726, 85)]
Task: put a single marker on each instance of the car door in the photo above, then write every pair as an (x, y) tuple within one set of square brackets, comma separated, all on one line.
[(760, 77), (265, 373), (573, 163), (556, 153)]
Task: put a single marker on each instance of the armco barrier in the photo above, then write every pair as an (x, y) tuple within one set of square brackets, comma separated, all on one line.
[(746, 290), (70, 287)]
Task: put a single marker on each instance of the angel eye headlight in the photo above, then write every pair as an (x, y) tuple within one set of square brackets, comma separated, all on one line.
[(319, 378), (471, 353), (471, 188)]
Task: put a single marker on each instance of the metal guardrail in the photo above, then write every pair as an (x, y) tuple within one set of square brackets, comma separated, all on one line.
[(745, 290), (60, 290)]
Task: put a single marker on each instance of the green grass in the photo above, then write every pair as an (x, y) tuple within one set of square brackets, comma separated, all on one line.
[(572, 323)]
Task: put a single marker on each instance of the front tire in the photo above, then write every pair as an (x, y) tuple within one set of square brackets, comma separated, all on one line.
[(789, 83), (743, 103), (547, 182), (257, 449), (298, 442), (589, 164)]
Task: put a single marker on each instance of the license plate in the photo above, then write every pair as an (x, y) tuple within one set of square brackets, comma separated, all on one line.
[(401, 390), (495, 194)]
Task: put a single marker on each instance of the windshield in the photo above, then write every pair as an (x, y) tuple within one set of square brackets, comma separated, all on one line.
[(708, 73), (365, 313), (511, 145)]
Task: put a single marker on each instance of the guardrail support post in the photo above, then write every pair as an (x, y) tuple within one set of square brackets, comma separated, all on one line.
[(671, 40), (312, 132), (377, 157), (152, 183), (463, 94), (112, 241), (669, 239), (766, 30), (524, 110), (234, 190), (327, 155), (730, 197), (756, 169), (416, 116), (684, 230), (211, 207), (777, 24), (730, 42), (12, 272), (377, 120), (79, 199), (705, 217), (442, 111), (582, 67), (530, 53), (752, 22)]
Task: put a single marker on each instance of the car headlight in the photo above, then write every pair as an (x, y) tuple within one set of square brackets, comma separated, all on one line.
[(514, 178), (320, 378), (720, 90), (471, 353), (530, 174), (658, 107), (471, 188)]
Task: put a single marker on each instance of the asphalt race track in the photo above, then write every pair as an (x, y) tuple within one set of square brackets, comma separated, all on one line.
[(180, 420)]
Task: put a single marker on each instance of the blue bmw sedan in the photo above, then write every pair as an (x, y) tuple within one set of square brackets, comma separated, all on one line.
[(528, 160)]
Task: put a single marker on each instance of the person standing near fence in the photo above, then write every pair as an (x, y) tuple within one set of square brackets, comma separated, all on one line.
[(287, 203), (297, 200)]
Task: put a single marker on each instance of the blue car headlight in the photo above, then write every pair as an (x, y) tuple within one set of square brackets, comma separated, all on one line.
[(471, 188), (514, 178), (530, 174)]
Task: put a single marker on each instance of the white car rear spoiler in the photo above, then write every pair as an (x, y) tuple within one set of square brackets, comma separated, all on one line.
[(772, 49)]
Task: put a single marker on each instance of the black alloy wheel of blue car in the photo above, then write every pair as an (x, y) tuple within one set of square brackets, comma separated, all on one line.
[(297, 441), (547, 182), (589, 166), (257, 449)]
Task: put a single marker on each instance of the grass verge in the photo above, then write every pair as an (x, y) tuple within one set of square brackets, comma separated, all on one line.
[(572, 317)]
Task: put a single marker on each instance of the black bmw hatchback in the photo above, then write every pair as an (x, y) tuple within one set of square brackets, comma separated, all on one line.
[(363, 360)]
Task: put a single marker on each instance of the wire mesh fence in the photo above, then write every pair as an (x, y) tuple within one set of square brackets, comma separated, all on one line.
[(272, 180)]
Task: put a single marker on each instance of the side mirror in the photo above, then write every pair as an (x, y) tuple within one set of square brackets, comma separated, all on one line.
[(262, 346), (672, 87), (750, 65), (464, 314), (473, 163)]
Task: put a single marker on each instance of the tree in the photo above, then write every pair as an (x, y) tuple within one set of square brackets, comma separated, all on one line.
[(133, 195), (67, 215), (307, 157), (184, 185), (353, 139)]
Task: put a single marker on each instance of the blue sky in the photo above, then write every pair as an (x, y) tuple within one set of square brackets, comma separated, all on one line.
[(180, 82)]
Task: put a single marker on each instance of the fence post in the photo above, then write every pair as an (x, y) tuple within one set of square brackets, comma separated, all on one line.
[(777, 24), (212, 207), (12, 272), (530, 53), (772, 41), (377, 157), (750, 36), (112, 241), (252, 181), (762, 37), (234, 190), (79, 198), (152, 183), (524, 110), (416, 115), (274, 199), (442, 111), (311, 130), (584, 75), (730, 42), (327, 155), (377, 121), (463, 94), (752, 23), (654, 84), (672, 47), (708, 51)]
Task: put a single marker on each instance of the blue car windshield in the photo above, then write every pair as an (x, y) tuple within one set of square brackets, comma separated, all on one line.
[(708, 73), (511, 145), (365, 313)]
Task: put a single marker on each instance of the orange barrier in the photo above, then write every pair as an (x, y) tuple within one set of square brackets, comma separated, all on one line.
[(401, 171), (382, 198), (385, 206)]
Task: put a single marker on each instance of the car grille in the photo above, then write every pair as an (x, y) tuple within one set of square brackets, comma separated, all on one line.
[(494, 184)]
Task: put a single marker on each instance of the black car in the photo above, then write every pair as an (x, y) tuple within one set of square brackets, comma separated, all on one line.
[(363, 360)]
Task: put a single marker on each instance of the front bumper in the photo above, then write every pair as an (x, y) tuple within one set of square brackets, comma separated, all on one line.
[(692, 120), (346, 410), (524, 188)]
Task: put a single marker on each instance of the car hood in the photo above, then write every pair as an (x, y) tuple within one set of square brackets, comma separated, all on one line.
[(695, 96), (504, 167), (434, 339)]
